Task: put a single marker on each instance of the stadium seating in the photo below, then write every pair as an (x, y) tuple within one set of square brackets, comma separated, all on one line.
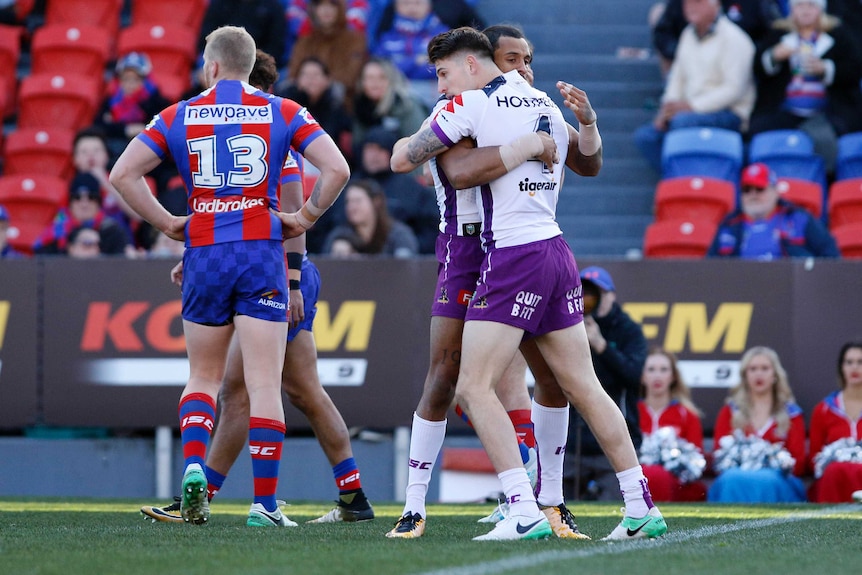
[(849, 160), (170, 47), (32, 202), (183, 12), (23, 8), (171, 86), (711, 152), (679, 238), (802, 193), (694, 197), (849, 240), (58, 101), (104, 14), (46, 151), (70, 48), (790, 154), (10, 51), (845, 202)]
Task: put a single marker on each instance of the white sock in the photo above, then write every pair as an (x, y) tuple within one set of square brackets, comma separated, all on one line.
[(519, 493), (426, 440), (636, 495), (551, 427)]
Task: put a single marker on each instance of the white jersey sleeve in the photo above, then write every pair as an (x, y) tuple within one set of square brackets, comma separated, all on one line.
[(519, 207), (459, 209)]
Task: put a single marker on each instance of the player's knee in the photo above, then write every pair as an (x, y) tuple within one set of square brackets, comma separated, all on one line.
[(233, 400)]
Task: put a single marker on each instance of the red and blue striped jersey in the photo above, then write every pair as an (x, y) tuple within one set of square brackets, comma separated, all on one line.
[(230, 144)]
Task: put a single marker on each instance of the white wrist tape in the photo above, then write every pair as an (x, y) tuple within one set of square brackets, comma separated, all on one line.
[(589, 139), (304, 221), (522, 149)]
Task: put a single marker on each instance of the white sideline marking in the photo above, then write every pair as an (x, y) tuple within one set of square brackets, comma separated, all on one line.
[(519, 562)]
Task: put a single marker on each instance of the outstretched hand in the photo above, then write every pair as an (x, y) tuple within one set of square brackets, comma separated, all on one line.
[(577, 101)]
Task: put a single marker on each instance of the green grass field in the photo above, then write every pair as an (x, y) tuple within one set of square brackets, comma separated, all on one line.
[(70, 537)]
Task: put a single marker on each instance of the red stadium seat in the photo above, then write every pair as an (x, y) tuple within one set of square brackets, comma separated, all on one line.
[(694, 197), (184, 12), (170, 47), (102, 13), (845, 202), (849, 240), (679, 238), (32, 203), (70, 48), (171, 86), (803, 193), (23, 232), (10, 51), (58, 101), (43, 151)]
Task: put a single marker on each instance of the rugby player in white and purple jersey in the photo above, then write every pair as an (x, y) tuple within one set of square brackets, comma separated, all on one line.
[(541, 424), (529, 283), (229, 144)]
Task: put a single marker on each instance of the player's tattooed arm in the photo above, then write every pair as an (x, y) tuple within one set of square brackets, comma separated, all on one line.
[(314, 198), (419, 148)]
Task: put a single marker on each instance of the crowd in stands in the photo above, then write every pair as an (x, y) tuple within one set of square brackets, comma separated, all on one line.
[(787, 74), (359, 66), (764, 449), (752, 68)]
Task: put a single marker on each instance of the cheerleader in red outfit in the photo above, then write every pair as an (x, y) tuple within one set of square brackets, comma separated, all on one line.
[(667, 403), (762, 405), (839, 416)]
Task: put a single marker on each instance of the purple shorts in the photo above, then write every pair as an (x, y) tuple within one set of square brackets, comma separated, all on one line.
[(458, 262), (235, 278), (535, 287)]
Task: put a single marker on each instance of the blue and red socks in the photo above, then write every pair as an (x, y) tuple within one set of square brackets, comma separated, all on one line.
[(265, 441), (214, 481), (523, 422), (197, 414), (347, 480)]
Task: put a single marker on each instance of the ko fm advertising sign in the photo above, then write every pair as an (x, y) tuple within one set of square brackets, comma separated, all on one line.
[(100, 343)]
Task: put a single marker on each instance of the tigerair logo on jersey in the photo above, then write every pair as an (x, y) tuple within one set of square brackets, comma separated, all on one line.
[(532, 188), (266, 299), (210, 114), (224, 205)]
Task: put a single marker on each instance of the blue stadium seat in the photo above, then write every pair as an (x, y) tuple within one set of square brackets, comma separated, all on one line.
[(780, 142), (710, 152), (849, 161), (790, 154)]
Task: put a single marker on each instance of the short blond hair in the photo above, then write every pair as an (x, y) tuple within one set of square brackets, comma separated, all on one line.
[(233, 48)]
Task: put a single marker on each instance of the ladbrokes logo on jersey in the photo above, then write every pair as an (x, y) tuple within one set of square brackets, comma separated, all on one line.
[(231, 204), (227, 114)]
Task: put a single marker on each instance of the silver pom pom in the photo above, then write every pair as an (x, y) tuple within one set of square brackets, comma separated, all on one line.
[(844, 449), (751, 452), (682, 458)]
